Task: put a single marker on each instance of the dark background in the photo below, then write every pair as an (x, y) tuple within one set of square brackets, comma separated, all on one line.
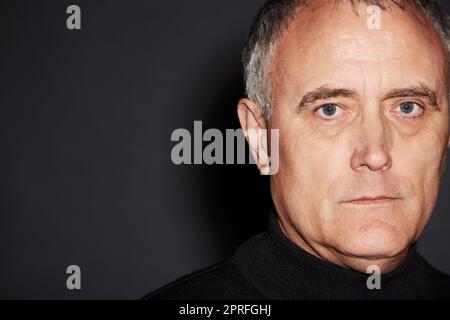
[(86, 175)]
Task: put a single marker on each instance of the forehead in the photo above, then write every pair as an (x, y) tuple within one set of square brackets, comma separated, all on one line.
[(333, 45)]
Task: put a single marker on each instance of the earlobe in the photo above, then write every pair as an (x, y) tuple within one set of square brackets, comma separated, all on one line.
[(253, 125)]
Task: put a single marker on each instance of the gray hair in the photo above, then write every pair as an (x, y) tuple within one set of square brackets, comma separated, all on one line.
[(273, 18)]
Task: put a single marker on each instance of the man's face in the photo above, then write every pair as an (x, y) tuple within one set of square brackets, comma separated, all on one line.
[(362, 114)]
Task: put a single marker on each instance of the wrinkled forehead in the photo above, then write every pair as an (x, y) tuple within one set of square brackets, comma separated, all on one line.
[(341, 43)]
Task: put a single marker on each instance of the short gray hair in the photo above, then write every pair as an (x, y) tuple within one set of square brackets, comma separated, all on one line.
[(273, 18)]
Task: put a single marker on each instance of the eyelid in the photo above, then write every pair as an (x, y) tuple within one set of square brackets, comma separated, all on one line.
[(416, 101), (420, 104), (326, 104), (399, 102)]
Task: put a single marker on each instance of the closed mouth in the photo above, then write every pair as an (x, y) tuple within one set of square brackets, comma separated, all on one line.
[(371, 200)]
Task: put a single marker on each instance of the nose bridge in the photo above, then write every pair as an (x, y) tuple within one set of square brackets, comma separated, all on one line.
[(372, 149), (373, 128)]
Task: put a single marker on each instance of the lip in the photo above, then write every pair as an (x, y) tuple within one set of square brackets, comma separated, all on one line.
[(378, 200)]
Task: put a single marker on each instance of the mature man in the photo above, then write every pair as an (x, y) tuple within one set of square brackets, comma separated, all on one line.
[(362, 111)]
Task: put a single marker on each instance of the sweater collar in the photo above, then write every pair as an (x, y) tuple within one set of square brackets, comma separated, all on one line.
[(280, 269)]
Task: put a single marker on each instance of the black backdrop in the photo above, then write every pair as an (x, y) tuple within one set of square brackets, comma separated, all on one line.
[(86, 118)]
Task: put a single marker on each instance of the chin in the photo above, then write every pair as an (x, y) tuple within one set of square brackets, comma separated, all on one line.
[(374, 241)]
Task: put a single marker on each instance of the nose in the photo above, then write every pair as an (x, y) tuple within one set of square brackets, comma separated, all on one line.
[(371, 145)]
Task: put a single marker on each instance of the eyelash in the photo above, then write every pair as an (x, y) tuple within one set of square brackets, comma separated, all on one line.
[(420, 114)]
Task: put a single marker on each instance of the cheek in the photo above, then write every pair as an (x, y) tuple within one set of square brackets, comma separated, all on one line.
[(308, 171), (313, 165), (417, 161)]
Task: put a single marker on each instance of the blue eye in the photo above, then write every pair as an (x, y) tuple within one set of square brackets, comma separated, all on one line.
[(410, 109), (329, 110)]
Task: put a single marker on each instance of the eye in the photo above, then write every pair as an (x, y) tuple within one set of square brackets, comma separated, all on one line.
[(410, 109), (329, 111)]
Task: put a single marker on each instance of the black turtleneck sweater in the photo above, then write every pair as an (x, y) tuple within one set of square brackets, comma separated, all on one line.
[(270, 266)]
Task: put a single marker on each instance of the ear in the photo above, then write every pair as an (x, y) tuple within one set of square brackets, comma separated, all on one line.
[(254, 126)]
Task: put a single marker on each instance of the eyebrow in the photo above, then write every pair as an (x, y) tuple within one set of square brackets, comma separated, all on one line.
[(326, 92), (420, 91)]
